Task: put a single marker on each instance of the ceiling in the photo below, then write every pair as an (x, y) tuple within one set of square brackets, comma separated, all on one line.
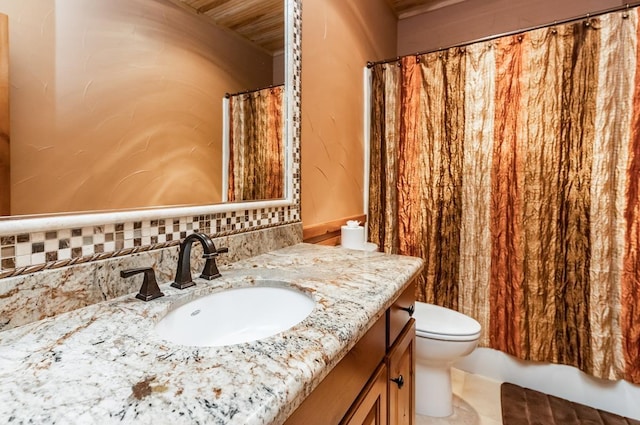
[(259, 21), (262, 21), (407, 8)]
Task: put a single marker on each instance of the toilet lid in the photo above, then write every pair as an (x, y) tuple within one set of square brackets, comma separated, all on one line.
[(433, 320)]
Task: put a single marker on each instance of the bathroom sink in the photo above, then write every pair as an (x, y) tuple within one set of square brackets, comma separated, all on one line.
[(236, 315)]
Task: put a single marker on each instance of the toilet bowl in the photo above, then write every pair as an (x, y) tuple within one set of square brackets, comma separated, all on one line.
[(442, 337)]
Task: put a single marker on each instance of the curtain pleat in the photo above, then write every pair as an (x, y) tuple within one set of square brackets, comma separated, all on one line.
[(377, 175), (390, 163), (613, 103), (448, 182), (415, 202), (383, 193), (577, 133), (506, 203), (475, 238), (540, 210), (512, 168), (274, 154), (630, 293)]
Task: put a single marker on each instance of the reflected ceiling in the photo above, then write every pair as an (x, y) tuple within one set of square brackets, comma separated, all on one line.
[(259, 21)]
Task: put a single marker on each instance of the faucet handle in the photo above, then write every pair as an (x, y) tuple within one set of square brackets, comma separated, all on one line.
[(149, 289), (215, 253), (210, 270)]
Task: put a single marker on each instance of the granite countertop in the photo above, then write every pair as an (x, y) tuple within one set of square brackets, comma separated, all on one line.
[(105, 364)]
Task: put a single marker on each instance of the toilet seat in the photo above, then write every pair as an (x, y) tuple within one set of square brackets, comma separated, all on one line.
[(441, 323)]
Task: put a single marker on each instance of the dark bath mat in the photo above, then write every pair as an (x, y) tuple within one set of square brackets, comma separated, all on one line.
[(522, 406)]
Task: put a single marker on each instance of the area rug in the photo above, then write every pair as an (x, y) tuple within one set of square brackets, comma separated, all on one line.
[(522, 406)]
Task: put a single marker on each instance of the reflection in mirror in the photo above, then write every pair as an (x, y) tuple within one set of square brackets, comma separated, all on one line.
[(256, 159), (117, 104)]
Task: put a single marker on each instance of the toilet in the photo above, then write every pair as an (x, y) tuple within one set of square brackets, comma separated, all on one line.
[(442, 337)]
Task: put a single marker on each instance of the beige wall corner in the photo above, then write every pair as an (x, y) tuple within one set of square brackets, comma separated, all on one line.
[(338, 38), (5, 195)]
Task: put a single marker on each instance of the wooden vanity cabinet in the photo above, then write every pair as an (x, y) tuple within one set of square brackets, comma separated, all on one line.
[(374, 383), (400, 363)]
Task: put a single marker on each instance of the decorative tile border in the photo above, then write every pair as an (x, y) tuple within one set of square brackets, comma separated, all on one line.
[(26, 253), (33, 252)]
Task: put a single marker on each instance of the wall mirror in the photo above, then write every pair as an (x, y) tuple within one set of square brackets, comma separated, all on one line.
[(117, 105)]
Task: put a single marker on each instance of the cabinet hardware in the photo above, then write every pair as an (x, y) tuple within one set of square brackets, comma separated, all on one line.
[(411, 309), (399, 380)]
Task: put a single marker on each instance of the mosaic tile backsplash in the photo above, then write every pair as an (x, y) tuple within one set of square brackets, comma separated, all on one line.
[(33, 252), (31, 297)]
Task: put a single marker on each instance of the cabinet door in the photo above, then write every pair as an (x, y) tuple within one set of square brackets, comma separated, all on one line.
[(371, 406), (400, 363)]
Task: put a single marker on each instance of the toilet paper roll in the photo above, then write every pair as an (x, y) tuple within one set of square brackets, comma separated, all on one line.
[(352, 237)]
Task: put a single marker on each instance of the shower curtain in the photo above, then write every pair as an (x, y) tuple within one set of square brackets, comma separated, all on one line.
[(256, 150), (512, 167)]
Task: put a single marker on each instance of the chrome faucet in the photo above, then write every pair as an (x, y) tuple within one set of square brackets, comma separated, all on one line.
[(210, 271)]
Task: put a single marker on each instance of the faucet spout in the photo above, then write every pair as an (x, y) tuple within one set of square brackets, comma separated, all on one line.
[(183, 273)]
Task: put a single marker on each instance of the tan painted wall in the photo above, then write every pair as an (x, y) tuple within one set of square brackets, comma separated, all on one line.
[(472, 19), (338, 38), (118, 103), (5, 196)]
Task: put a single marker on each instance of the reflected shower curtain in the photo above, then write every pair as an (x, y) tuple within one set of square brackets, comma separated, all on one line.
[(256, 150), (512, 167)]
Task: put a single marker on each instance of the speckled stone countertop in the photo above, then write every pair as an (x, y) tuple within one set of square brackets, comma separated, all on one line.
[(104, 363)]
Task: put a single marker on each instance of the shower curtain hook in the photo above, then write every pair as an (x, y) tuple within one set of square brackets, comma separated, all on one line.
[(625, 15)]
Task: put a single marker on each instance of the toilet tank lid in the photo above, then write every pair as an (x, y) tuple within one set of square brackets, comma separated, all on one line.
[(444, 321)]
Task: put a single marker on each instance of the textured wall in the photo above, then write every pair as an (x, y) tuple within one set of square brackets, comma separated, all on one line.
[(338, 38), (471, 20), (117, 103)]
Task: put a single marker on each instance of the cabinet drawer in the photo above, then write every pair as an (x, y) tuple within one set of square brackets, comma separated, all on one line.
[(400, 312)]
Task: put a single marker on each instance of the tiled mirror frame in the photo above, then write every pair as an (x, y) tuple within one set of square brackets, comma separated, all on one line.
[(35, 244)]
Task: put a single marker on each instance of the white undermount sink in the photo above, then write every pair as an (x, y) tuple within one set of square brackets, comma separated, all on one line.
[(236, 315)]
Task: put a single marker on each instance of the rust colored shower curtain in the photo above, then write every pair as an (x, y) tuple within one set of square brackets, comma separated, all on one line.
[(256, 150), (512, 167)]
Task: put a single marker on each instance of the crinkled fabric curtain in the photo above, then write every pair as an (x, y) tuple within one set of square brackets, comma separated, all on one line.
[(256, 151), (512, 168)]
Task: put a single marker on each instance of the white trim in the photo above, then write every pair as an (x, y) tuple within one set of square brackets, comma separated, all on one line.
[(366, 131), (46, 223), (225, 149), (289, 16)]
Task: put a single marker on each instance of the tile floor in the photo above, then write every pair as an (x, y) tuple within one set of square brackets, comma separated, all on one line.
[(476, 401)]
